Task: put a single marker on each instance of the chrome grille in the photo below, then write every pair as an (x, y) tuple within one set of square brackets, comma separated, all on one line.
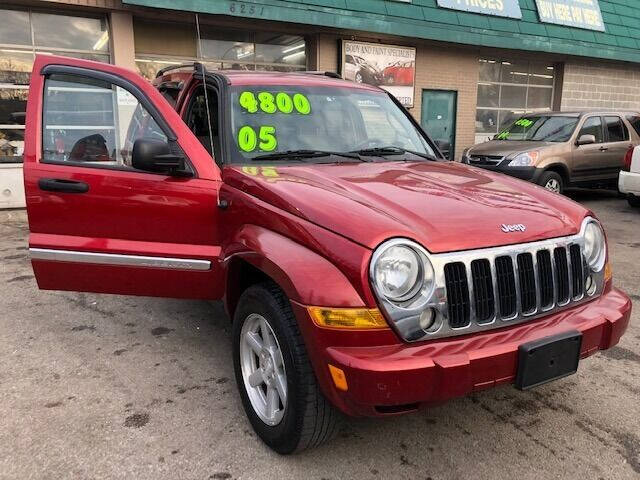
[(485, 159), (478, 290), (526, 283)]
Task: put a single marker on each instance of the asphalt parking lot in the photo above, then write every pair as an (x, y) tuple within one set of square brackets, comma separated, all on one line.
[(98, 386)]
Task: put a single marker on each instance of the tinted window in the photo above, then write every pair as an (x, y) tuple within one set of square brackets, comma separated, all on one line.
[(93, 122), (592, 126), (616, 129)]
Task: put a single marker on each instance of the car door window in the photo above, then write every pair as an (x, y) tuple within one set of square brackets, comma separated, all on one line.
[(92, 122), (592, 126), (199, 120), (616, 130)]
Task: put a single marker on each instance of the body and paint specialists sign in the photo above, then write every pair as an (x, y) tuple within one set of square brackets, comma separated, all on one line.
[(571, 13), (499, 8)]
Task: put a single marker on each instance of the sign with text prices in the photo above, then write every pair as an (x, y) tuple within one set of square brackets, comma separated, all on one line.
[(499, 8), (571, 13)]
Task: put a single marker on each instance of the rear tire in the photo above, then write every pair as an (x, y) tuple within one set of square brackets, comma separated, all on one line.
[(552, 181), (308, 419), (633, 201)]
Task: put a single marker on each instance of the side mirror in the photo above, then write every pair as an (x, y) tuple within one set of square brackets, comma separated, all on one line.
[(156, 156), (586, 140)]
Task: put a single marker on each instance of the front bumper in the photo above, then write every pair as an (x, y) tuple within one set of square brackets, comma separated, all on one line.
[(384, 379), (629, 183), (530, 174)]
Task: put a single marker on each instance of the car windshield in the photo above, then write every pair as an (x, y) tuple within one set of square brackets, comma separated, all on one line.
[(540, 128), (271, 119)]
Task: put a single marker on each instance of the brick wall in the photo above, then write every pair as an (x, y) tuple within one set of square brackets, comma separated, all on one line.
[(437, 68), (590, 85)]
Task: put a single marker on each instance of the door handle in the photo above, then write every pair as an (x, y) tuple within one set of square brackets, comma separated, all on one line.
[(603, 149), (62, 185)]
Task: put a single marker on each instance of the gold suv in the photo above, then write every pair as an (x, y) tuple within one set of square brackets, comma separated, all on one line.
[(561, 149)]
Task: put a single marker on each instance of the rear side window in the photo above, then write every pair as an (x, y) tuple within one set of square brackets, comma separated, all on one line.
[(634, 120), (616, 130), (592, 126), (92, 122)]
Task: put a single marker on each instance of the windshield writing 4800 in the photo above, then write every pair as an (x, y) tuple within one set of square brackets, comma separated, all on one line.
[(264, 137)]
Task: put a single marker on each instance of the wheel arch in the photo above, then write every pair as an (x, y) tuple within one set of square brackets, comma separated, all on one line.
[(258, 254), (561, 169)]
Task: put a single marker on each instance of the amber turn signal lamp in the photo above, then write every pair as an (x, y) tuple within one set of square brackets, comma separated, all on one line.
[(348, 318), (339, 378), (608, 273)]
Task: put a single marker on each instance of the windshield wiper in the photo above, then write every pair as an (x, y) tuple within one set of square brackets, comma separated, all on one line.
[(391, 150), (305, 154)]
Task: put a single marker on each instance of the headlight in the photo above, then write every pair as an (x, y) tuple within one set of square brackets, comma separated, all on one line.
[(398, 273), (526, 159), (595, 248), (465, 155), (404, 281)]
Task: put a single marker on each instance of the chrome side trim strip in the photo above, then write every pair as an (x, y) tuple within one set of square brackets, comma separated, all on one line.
[(119, 259)]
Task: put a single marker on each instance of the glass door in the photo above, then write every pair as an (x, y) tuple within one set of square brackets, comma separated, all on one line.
[(439, 119)]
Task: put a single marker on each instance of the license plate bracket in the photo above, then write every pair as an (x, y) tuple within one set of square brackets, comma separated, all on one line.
[(548, 359)]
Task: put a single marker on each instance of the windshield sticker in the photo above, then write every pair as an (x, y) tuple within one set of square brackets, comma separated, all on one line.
[(248, 102), (503, 135), (524, 122), (281, 102), (248, 139)]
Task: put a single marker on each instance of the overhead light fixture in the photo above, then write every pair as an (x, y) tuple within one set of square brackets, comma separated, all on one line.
[(287, 57), (291, 49)]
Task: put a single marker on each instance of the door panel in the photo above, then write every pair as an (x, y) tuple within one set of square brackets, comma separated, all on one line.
[(439, 119), (117, 229), (587, 158)]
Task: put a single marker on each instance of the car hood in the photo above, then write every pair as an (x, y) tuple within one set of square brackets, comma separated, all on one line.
[(445, 206), (503, 148)]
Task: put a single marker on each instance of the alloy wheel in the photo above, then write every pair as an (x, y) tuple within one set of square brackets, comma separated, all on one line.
[(553, 185), (263, 370)]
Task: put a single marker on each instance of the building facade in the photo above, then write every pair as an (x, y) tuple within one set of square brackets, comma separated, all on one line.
[(465, 69)]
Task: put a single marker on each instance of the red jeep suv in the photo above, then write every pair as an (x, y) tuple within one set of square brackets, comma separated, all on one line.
[(363, 273)]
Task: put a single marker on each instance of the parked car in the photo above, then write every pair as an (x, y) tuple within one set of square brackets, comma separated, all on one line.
[(561, 149), (358, 70), (400, 73), (629, 182), (363, 273)]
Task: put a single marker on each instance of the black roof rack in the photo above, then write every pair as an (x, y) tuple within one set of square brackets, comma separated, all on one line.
[(164, 70), (322, 73)]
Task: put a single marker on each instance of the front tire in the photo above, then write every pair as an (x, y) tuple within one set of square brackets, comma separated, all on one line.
[(553, 182), (277, 385)]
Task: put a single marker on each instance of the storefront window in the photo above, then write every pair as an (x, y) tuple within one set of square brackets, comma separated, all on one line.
[(509, 89), (22, 35), (72, 33), (218, 48)]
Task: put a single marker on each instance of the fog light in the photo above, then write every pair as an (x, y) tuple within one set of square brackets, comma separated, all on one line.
[(590, 286), (427, 319)]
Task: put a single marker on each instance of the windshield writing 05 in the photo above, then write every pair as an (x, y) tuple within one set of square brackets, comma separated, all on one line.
[(540, 128), (272, 119)]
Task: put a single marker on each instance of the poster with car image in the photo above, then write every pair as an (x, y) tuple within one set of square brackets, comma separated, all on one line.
[(387, 66)]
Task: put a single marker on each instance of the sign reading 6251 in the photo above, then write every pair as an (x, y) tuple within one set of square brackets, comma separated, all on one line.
[(246, 9)]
